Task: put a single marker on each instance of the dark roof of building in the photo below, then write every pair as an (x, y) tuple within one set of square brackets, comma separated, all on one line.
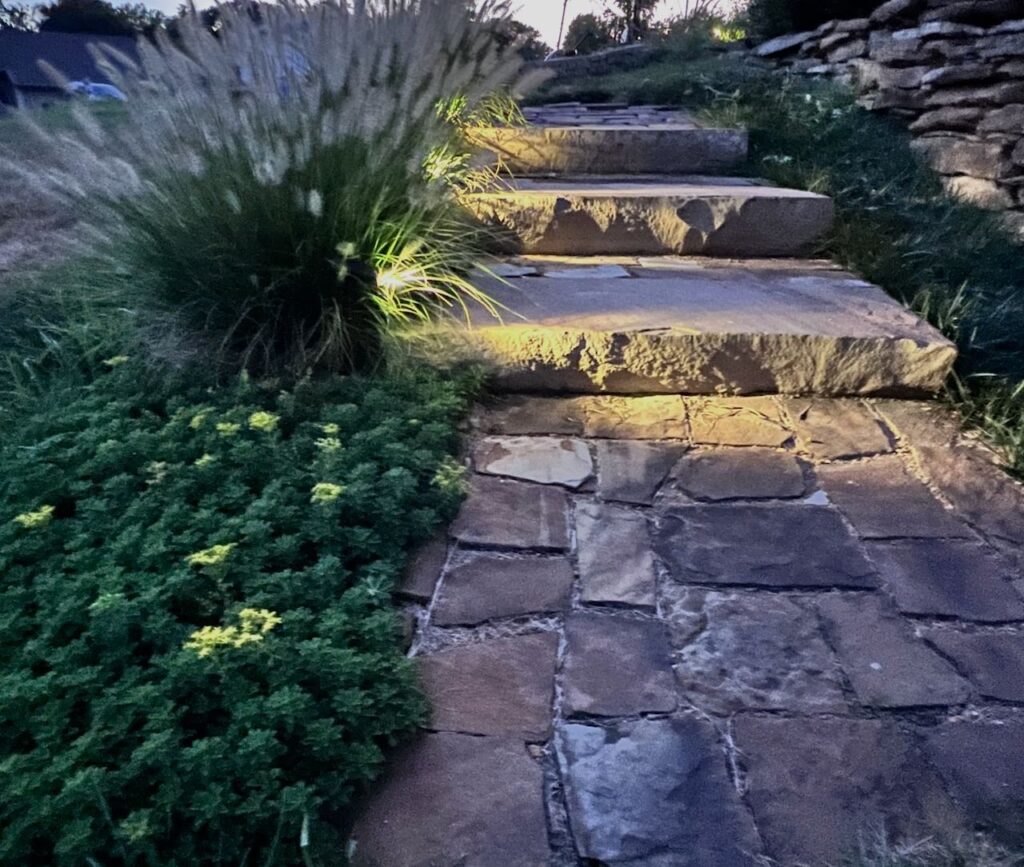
[(21, 52)]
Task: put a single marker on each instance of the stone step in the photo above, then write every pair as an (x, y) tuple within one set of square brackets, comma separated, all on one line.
[(678, 147), (697, 326), (692, 215)]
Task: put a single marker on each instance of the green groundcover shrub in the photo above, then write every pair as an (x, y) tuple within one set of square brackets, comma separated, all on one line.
[(199, 661)]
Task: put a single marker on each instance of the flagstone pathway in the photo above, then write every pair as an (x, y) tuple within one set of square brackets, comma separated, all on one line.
[(711, 630)]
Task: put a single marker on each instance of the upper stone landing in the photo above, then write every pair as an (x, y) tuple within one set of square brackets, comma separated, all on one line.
[(581, 139), (654, 216)]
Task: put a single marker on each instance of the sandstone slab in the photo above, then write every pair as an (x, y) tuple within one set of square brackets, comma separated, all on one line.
[(838, 429), (454, 800), (739, 474), (883, 501), (745, 421), (751, 651), (948, 579), (521, 415), (654, 793), (761, 545), (982, 763), (512, 514), (616, 561), (483, 586), (546, 460), (664, 148), (885, 662), (816, 784), (629, 471), (422, 572), (696, 329), (688, 214), (652, 417), (992, 661), (616, 666), (503, 686)]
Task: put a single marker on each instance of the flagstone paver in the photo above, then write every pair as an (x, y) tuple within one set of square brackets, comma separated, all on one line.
[(778, 545), (886, 663), (455, 799), (983, 767), (616, 666), (513, 514), (838, 429), (815, 783), (751, 651), (632, 471), (615, 556), (740, 474), (500, 687), (483, 586), (948, 578), (689, 628), (557, 460), (883, 501), (992, 661), (654, 793)]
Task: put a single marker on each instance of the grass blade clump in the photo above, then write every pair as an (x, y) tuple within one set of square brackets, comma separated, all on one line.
[(277, 191)]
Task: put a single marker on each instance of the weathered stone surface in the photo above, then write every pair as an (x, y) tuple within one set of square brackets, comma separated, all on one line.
[(782, 44), (948, 579), (616, 666), (547, 460), (816, 784), (836, 429), (452, 800), (886, 664), (992, 661), (615, 557), (655, 417), (723, 421), (882, 500), (504, 686), (516, 415), (893, 10), (714, 216), (950, 155), (948, 119), (703, 329), (979, 191), (1007, 119), (739, 474), (993, 94), (751, 651), (421, 574), (945, 75), (512, 514), (654, 793), (855, 48), (765, 545), (983, 766), (615, 150), (484, 586), (632, 472)]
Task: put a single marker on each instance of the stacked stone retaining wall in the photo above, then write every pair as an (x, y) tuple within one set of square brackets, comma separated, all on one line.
[(953, 68)]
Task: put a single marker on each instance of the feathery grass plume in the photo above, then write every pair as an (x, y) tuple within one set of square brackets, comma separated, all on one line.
[(286, 188)]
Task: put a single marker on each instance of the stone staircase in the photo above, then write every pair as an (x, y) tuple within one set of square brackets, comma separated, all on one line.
[(637, 274)]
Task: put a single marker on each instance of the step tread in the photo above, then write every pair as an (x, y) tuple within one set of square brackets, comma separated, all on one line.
[(674, 186), (684, 327)]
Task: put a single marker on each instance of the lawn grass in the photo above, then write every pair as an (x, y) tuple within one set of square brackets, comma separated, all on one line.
[(947, 259)]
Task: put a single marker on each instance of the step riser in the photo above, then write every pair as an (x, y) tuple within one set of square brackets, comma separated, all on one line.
[(578, 362), (574, 150), (607, 225)]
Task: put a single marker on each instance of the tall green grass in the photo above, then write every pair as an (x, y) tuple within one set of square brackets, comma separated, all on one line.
[(948, 259)]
